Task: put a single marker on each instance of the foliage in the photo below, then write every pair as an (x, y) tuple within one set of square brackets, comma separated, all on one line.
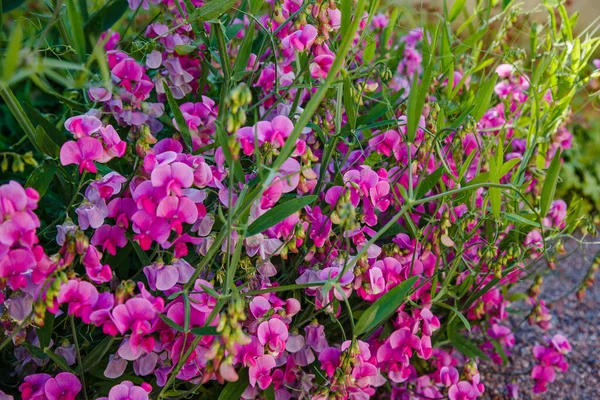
[(286, 199)]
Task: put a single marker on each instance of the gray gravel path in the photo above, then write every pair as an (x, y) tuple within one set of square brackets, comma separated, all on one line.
[(578, 321)]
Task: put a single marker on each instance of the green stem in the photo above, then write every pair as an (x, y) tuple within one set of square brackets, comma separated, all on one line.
[(76, 343), (17, 111)]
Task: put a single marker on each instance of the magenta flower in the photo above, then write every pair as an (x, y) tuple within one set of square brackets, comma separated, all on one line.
[(301, 39), (93, 210), (161, 277), (463, 390), (83, 125), (83, 152), (273, 334), (13, 264), (261, 372), (81, 297), (65, 386), (178, 210), (149, 228), (136, 314), (126, 390), (109, 237), (321, 65), (173, 177), (113, 146), (33, 387)]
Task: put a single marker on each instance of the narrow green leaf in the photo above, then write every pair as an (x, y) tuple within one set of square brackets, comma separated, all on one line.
[(270, 392), (171, 323), (507, 166), (384, 307), (46, 145), (243, 55), (212, 10), (429, 182), (45, 332), (38, 119), (256, 5), (278, 214), (349, 103), (346, 9), (457, 7), (181, 123), (464, 320), (369, 52), (223, 140), (494, 193), (505, 4), (234, 390), (98, 353), (549, 188), (41, 177), (483, 98), (467, 347), (76, 29), (521, 220), (11, 57), (106, 16), (205, 331), (59, 360), (183, 49)]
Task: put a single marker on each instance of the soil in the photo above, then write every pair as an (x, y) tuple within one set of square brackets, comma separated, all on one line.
[(578, 321)]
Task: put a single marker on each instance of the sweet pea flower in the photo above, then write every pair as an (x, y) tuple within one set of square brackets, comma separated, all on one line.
[(301, 39), (173, 177), (33, 387), (113, 146), (149, 228), (81, 296), (261, 372), (83, 152), (126, 390), (109, 237), (273, 334), (83, 125), (65, 386), (321, 65), (462, 390)]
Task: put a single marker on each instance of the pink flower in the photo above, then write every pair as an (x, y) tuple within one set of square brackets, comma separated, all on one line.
[(273, 334), (301, 39), (109, 237), (33, 387), (65, 386), (113, 145), (178, 210), (81, 297), (261, 372), (173, 177), (149, 228), (126, 390), (83, 125), (83, 152), (136, 314), (321, 65), (386, 143), (463, 390), (13, 264), (163, 277)]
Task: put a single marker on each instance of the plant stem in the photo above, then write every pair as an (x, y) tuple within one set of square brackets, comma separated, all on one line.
[(76, 343)]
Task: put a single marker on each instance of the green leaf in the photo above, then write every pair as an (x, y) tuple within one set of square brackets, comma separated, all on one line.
[(549, 188), (212, 10), (9, 5), (270, 392), (467, 347), (234, 390), (205, 331), (384, 307), (183, 49), (349, 103), (46, 145), (243, 55), (369, 52), (483, 98), (171, 323), (41, 177), (256, 5), (416, 97), (76, 29), (181, 124), (59, 360), (521, 220), (507, 166), (429, 182), (346, 9), (11, 58), (223, 140), (494, 193), (505, 4), (278, 214), (106, 16), (45, 332), (457, 7), (38, 119), (98, 353)]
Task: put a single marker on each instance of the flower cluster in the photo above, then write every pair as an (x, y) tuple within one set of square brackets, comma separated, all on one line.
[(235, 220)]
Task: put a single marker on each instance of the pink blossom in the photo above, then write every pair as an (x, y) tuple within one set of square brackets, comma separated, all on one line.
[(321, 65), (65, 386), (83, 125), (113, 146), (81, 297), (173, 177), (261, 372), (301, 39), (33, 387), (273, 334), (83, 152), (126, 390), (462, 391), (109, 237)]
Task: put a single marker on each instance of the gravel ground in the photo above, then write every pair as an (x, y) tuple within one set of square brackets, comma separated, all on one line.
[(578, 321)]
